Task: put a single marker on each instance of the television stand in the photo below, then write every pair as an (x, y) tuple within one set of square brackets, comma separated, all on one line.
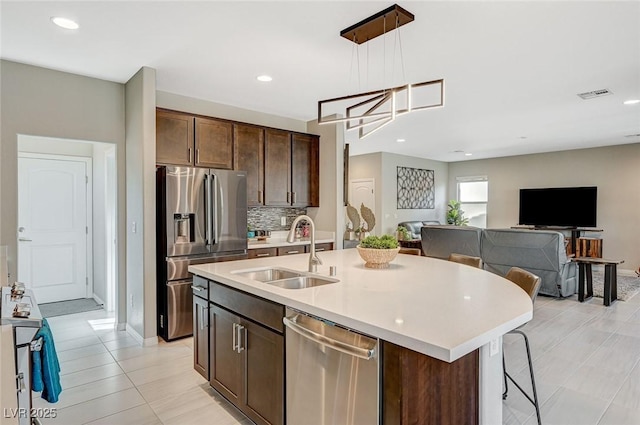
[(576, 232)]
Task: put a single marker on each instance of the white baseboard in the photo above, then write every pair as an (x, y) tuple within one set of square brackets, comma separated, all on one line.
[(145, 342), (98, 300)]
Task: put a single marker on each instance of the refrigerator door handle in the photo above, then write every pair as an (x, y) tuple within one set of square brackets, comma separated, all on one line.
[(207, 214), (218, 209)]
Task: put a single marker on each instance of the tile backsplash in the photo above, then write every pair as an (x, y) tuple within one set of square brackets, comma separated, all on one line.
[(268, 218)]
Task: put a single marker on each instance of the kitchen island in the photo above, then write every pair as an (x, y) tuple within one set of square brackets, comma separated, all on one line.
[(433, 316)]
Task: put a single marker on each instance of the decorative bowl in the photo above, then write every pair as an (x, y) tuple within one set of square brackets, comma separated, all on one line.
[(377, 258)]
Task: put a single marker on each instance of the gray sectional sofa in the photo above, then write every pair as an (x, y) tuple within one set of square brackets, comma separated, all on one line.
[(538, 251), (414, 227)]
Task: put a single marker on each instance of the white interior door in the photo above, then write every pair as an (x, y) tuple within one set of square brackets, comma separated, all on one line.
[(362, 191), (53, 227)]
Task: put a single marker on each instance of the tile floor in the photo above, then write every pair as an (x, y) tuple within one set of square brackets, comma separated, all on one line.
[(586, 360)]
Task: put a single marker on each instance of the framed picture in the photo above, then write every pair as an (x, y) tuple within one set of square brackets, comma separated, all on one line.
[(415, 189)]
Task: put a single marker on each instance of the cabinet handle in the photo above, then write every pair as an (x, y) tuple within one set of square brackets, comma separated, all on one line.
[(293, 252), (319, 249), (288, 197), (293, 200), (189, 151), (239, 330), (203, 318), (234, 336), (260, 197), (266, 254), (197, 156)]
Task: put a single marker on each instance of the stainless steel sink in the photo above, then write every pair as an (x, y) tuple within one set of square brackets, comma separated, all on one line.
[(301, 282), (268, 275), (284, 278)]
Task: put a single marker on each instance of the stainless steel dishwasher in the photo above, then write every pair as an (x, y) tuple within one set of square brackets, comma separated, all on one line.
[(332, 373)]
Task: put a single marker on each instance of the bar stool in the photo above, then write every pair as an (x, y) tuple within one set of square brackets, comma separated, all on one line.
[(466, 259), (530, 283)]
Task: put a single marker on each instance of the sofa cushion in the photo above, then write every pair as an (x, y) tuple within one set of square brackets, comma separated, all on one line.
[(441, 241)]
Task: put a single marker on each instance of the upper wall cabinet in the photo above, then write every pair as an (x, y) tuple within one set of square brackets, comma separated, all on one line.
[(282, 166), (210, 145), (248, 147), (174, 138), (213, 143)]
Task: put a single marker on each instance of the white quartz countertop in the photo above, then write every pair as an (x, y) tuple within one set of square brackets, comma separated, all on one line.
[(439, 308), (279, 239)]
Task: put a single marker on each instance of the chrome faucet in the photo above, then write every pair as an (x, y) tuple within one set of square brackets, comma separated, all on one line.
[(313, 258)]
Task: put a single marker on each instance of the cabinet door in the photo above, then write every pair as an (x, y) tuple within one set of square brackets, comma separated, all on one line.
[(305, 170), (174, 138), (248, 146), (225, 362), (296, 249), (214, 143), (277, 168), (201, 336), (264, 375)]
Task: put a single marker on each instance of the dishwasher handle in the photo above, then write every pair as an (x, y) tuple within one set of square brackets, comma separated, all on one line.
[(363, 353)]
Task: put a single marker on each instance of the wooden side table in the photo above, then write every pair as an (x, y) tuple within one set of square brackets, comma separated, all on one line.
[(610, 278), (413, 243)]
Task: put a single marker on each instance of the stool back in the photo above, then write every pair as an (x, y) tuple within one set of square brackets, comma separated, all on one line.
[(466, 259), (528, 281)]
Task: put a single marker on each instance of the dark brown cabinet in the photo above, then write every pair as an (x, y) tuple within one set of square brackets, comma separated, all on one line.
[(291, 169), (296, 249), (248, 146), (174, 138), (213, 143), (277, 168), (305, 170), (201, 336), (247, 353), (262, 252), (283, 167), (183, 139)]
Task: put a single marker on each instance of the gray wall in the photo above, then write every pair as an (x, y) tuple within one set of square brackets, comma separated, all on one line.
[(42, 102), (383, 168), (140, 95), (330, 215), (614, 170)]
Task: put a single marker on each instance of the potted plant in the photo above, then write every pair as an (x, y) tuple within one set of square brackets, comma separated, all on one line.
[(378, 251), (455, 215), (403, 233)]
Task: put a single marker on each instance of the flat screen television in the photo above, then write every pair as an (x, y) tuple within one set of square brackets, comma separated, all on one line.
[(559, 206)]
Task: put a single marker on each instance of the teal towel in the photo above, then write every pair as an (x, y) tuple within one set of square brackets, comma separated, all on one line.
[(46, 368)]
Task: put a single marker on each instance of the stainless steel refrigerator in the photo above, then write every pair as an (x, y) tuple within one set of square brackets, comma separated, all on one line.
[(201, 218)]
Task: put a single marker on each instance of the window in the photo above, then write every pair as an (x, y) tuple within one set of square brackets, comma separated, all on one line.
[(473, 194)]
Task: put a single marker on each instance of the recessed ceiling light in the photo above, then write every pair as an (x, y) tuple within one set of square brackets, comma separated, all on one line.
[(468, 154), (264, 78), (400, 140), (631, 101), (65, 23)]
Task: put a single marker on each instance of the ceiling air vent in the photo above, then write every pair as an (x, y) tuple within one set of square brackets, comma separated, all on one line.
[(595, 93)]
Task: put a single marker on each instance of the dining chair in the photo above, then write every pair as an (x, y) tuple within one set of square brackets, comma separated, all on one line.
[(530, 283), (466, 259)]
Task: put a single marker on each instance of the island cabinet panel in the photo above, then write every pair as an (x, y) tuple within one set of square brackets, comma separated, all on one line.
[(213, 143), (248, 147), (225, 362), (247, 353), (292, 250), (264, 375), (262, 252), (201, 336), (277, 168), (305, 170), (174, 138), (419, 389)]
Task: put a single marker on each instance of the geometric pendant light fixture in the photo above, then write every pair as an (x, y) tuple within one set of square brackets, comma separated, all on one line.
[(370, 111)]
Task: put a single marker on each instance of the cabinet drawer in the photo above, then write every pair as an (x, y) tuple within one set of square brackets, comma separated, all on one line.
[(265, 312), (290, 250), (324, 247), (262, 252)]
